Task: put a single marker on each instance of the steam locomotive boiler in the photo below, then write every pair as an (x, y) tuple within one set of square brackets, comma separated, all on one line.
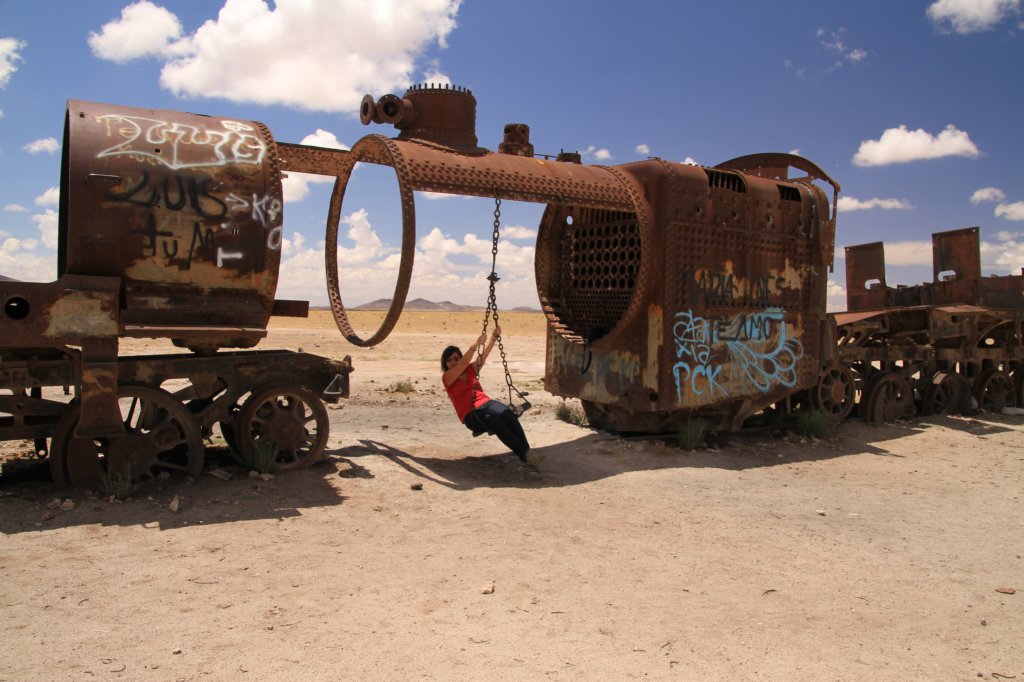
[(670, 289), (169, 227)]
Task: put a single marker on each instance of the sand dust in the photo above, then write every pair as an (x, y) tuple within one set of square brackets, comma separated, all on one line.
[(414, 551)]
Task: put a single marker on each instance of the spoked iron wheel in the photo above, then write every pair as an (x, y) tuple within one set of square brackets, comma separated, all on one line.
[(834, 393), (994, 390), (160, 435), (888, 397), (289, 418), (945, 394)]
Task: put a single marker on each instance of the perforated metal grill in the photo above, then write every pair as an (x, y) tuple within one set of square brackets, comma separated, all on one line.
[(600, 261)]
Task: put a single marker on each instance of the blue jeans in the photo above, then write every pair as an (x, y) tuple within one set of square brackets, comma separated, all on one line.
[(496, 418)]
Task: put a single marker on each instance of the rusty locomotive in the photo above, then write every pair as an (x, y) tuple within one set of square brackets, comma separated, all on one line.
[(169, 227), (671, 290), (675, 291)]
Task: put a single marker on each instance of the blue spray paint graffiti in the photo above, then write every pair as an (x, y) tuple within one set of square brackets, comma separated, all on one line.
[(693, 352), (745, 337), (777, 366)]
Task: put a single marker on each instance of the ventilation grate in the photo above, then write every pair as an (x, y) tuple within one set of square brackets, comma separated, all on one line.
[(729, 181), (787, 193)]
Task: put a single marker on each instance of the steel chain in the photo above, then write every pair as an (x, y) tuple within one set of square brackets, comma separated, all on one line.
[(492, 300)]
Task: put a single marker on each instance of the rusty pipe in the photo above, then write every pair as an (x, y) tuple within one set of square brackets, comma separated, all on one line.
[(427, 167)]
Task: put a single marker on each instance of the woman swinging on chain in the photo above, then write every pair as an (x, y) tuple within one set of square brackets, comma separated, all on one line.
[(474, 408)]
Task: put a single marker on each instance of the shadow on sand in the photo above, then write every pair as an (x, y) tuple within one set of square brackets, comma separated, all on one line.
[(595, 455), (29, 501)]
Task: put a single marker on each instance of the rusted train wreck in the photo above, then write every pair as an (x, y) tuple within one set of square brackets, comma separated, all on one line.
[(944, 347), (671, 291), (169, 227), (675, 291)]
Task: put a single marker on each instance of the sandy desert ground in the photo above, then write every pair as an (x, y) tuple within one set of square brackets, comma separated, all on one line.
[(414, 551)]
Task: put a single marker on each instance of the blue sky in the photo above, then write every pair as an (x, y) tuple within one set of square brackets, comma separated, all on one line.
[(913, 107)]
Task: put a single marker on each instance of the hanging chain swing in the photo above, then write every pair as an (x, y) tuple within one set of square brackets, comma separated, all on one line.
[(492, 311)]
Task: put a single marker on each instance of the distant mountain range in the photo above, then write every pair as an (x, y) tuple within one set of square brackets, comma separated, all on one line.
[(443, 306)]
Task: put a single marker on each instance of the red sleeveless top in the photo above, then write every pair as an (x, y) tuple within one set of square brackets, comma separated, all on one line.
[(461, 393)]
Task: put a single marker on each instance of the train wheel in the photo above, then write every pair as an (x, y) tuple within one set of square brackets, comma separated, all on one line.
[(835, 392), (994, 390), (888, 397), (160, 435), (291, 418), (944, 394)]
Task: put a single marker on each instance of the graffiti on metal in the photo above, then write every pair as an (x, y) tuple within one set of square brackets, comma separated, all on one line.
[(695, 365), (265, 210), (756, 343), (711, 287), (191, 207), (182, 145)]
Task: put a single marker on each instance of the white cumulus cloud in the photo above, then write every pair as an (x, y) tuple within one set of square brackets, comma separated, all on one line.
[(598, 154), (836, 294), (918, 252), (47, 224), (15, 208), (9, 56), (444, 268), (901, 145), (513, 232), (368, 245), (320, 55), (643, 149), (48, 145), (50, 197), (971, 16), (988, 194), (1007, 211), (1014, 211), (434, 76), (19, 260), (1004, 256), (143, 30), (854, 204)]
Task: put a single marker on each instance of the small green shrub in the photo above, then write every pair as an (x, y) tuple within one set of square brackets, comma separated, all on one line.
[(813, 423), (402, 387), (113, 484), (264, 452), (570, 414), (692, 433)]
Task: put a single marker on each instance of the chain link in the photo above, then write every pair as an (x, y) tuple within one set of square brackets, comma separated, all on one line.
[(492, 301)]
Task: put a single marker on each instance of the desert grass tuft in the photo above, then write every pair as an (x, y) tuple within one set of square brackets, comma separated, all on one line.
[(113, 484), (813, 423), (570, 414), (692, 433), (264, 453), (402, 387)]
